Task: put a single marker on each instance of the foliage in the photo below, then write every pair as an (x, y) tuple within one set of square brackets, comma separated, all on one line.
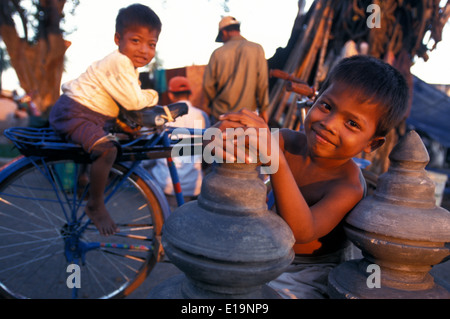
[(31, 32)]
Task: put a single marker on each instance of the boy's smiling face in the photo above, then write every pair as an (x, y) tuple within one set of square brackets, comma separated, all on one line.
[(138, 44), (339, 125)]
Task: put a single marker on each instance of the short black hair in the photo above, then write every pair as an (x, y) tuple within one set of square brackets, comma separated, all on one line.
[(137, 15), (233, 27), (375, 81)]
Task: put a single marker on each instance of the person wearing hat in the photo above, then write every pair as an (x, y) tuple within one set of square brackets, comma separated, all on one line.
[(189, 168), (236, 76)]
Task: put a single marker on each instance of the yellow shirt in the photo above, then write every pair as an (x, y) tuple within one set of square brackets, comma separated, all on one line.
[(110, 81)]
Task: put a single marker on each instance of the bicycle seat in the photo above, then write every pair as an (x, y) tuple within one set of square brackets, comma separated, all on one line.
[(159, 115), (152, 116)]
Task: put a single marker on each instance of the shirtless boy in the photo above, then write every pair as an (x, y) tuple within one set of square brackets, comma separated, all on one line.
[(317, 182)]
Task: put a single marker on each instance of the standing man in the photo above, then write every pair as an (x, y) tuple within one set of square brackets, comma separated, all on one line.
[(236, 76)]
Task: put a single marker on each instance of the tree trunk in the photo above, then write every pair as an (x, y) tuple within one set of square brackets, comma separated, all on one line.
[(39, 65)]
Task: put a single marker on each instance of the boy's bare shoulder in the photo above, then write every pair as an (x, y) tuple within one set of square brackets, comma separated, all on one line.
[(350, 180)]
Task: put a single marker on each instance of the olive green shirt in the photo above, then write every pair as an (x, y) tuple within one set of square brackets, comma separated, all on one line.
[(236, 77)]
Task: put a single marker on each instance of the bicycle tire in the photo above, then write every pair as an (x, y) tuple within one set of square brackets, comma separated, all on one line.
[(38, 242)]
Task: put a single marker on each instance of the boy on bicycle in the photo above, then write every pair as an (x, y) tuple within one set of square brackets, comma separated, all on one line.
[(317, 182), (90, 104)]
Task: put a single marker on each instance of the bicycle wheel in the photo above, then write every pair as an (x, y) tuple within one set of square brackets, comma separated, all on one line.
[(48, 248)]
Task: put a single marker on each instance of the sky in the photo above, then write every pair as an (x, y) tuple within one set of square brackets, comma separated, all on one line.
[(190, 28)]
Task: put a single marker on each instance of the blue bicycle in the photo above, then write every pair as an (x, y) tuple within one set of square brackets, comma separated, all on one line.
[(49, 248)]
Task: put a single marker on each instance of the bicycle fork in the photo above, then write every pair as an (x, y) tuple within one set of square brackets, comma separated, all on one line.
[(174, 174)]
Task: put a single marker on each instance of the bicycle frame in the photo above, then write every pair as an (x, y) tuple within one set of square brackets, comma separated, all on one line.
[(38, 145), (149, 145)]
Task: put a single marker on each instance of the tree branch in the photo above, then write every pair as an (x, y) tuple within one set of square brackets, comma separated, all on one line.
[(23, 18)]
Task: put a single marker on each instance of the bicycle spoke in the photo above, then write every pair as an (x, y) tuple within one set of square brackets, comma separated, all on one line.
[(124, 255), (96, 275), (41, 234), (30, 261), (36, 261), (20, 191), (23, 243)]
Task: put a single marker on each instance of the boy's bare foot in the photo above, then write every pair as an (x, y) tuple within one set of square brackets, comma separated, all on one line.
[(101, 219)]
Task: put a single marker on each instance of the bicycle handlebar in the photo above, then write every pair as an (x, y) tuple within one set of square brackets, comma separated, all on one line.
[(301, 89), (284, 76), (293, 84)]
